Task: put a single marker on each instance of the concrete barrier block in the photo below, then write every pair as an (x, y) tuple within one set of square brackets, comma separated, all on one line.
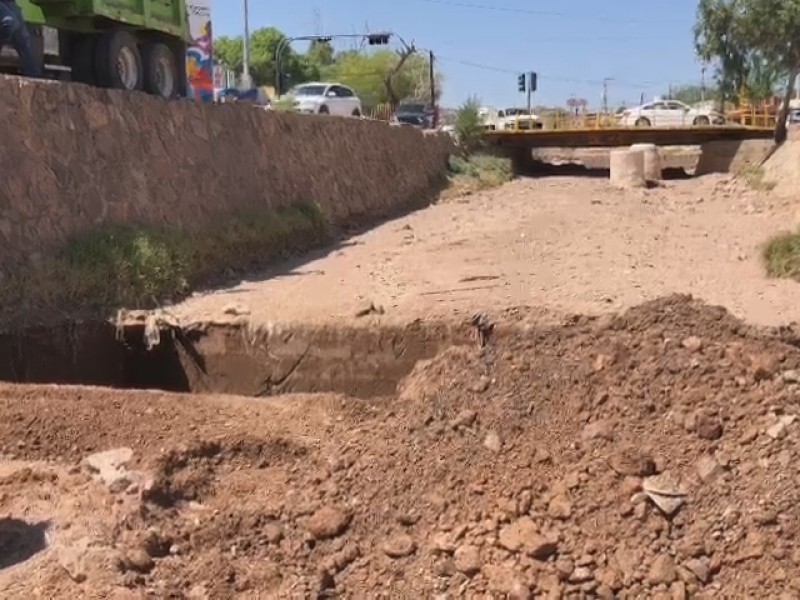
[(627, 169), (652, 161)]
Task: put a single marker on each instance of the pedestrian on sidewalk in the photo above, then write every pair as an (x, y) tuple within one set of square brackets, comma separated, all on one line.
[(14, 31)]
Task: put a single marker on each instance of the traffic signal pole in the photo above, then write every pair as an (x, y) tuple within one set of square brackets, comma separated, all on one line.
[(529, 97), (528, 82), (374, 39)]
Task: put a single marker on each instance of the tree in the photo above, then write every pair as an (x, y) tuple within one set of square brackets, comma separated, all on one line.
[(263, 45), (368, 73), (741, 34), (469, 127), (763, 80), (692, 94), (719, 38), (320, 53), (381, 77)]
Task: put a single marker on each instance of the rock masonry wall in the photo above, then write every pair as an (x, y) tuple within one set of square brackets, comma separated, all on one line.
[(74, 158)]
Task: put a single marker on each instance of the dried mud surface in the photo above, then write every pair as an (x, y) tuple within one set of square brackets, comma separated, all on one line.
[(652, 454)]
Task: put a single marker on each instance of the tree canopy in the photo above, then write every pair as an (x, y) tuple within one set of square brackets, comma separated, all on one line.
[(405, 70), (692, 94), (754, 44), (263, 45)]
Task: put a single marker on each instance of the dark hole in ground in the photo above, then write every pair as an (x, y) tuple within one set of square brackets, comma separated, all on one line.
[(357, 361), (538, 168), (21, 541), (575, 169)]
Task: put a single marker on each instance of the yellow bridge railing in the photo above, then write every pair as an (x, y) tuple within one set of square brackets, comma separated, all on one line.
[(588, 121)]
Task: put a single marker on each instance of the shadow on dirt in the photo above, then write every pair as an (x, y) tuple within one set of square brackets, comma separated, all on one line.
[(21, 541), (539, 168)]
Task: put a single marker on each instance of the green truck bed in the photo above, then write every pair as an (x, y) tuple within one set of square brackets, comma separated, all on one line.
[(165, 16)]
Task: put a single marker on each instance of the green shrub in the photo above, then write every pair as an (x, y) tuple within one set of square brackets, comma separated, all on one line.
[(477, 172), (469, 127), (782, 256)]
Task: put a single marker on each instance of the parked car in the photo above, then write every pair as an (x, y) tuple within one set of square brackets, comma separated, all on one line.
[(794, 116), (668, 113), (323, 98), (415, 114)]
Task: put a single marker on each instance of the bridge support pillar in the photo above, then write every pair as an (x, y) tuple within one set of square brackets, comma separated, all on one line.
[(627, 168), (652, 161), (732, 156)]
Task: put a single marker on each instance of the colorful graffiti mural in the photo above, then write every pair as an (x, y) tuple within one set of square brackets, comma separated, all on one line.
[(200, 52)]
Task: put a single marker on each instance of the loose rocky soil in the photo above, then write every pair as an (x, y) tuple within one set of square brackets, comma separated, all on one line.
[(652, 454)]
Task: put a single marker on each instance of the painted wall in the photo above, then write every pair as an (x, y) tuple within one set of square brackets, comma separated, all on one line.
[(200, 53)]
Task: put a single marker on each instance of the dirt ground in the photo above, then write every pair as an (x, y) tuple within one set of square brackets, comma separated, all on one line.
[(651, 455), (563, 244), (648, 452)]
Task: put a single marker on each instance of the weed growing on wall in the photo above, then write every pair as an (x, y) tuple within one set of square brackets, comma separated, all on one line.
[(127, 267)]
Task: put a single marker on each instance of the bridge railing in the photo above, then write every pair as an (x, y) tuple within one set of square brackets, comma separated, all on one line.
[(589, 121)]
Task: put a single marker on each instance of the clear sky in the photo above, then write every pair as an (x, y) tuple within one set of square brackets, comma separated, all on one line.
[(643, 45)]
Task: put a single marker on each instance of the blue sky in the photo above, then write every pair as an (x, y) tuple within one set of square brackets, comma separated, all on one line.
[(644, 46)]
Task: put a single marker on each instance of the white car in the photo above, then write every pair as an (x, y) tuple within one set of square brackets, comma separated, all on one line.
[(325, 99), (518, 119), (668, 113)]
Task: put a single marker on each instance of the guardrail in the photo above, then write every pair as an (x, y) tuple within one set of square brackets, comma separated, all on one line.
[(591, 121)]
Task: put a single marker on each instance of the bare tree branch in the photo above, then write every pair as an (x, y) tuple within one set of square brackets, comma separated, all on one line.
[(406, 52)]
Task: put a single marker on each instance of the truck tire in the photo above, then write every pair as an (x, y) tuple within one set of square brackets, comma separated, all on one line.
[(160, 70), (82, 58), (118, 61)]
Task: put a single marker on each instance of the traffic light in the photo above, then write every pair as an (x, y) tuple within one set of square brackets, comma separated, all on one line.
[(378, 39), (522, 83), (534, 81)]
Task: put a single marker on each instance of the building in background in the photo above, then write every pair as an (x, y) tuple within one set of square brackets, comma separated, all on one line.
[(200, 71)]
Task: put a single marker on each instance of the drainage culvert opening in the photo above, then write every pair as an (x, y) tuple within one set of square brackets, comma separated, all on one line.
[(362, 361)]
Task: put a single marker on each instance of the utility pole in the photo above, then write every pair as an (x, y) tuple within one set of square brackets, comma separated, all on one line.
[(432, 76), (605, 94), (247, 80), (703, 84)]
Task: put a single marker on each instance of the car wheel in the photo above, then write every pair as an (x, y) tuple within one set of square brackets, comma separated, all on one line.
[(701, 122), (356, 113), (323, 110), (642, 122)]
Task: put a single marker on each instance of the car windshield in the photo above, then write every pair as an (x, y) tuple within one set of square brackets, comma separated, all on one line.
[(308, 90), (407, 109)]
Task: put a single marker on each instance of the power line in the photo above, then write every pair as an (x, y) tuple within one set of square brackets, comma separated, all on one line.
[(485, 67), (538, 13)]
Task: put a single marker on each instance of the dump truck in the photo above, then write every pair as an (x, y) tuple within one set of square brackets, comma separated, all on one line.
[(137, 45)]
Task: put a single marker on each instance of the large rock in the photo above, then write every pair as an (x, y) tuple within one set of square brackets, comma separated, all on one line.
[(328, 522), (111, 468), (524, 536)]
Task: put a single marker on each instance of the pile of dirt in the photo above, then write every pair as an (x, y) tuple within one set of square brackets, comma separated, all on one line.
[(650, 454)]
